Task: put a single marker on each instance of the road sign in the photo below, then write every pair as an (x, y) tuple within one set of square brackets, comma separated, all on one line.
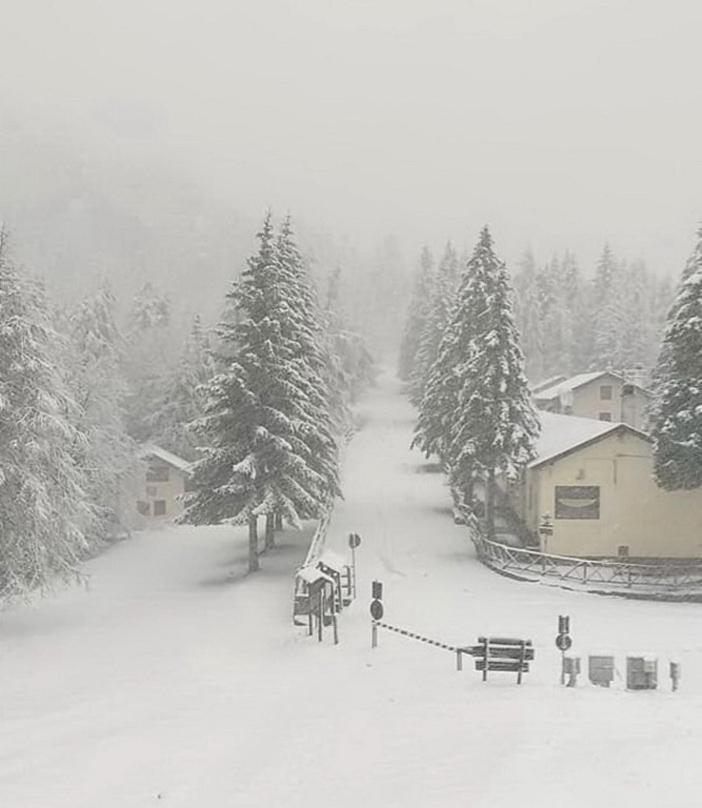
[(376, 610), (563, 624), (354, 540), (564, 642), (377, 590)]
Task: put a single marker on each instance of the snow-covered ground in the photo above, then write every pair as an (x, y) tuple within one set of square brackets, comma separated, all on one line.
[(175, 680)]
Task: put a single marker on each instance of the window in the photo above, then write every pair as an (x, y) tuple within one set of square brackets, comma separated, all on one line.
[(577, 502), (606, 392), (157, 474), (605, 416), (144, 508), (628, 390), (623, 551), (160, 507)]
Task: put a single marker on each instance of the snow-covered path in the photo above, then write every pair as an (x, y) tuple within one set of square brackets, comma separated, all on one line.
[(175, 681)]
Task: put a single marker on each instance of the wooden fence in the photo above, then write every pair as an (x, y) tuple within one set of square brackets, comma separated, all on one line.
[(675, 578)]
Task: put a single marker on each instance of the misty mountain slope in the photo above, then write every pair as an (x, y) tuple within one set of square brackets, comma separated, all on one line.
[(84, 209), (170, 681)]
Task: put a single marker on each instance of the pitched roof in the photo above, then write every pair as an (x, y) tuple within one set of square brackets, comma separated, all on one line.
[(562, 434), (152, 450), (572, 383), (545, 383)]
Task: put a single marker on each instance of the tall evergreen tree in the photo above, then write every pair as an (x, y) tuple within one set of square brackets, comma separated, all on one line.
[(255, 461), (182, 397), (106, 453), (677, 417), (148, 359), (417, 315), (45, 518), (441, 305), (477, 409)]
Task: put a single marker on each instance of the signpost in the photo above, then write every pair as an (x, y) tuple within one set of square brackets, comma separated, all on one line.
[(563, 641), (376, 610), (354, 542)]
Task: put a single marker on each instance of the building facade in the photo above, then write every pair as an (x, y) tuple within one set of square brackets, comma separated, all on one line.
[(595, 482), (603, 395), (164, 481)]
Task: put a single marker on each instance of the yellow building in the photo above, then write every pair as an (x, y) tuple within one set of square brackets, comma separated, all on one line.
[(165, 478), (595, 481), (603, 395)]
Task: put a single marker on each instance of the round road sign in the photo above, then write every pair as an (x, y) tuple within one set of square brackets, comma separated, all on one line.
[(376, 610), (563, 642), (354, 540)]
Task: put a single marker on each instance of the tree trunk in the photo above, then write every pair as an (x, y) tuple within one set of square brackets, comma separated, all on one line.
[(279, 521), (490, 504), (270, 531), (253, 544)]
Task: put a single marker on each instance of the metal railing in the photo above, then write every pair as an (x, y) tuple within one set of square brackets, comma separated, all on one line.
[(658, 576)]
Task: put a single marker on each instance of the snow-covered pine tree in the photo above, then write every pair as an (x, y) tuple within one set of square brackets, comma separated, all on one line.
[(350, 366), (148, 359), (106, 453), (182, 398), (441, 305), (302, 332), (677, 410), (254, 462), (44, 513), (527, 310), (417, 315), (493, 425)]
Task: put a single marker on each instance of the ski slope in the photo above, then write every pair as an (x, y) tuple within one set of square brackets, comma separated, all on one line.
[(174, 679)]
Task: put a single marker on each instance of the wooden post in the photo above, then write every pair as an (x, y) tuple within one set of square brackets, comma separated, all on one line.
[(521, 663), (320, 615), (490, 504), (253, 544), (459, 660), (310, 610), (353, 565), (269, 542), (486, 652), (335, 625)]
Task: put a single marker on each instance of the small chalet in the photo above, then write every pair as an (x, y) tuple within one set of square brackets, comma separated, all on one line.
[(165, 479), (603, 395), (594, 479)]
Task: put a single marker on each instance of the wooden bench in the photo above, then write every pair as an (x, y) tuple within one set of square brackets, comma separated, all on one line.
[(499, 654)]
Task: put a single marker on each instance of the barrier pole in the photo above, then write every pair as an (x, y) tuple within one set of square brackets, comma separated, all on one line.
[(374, 635)]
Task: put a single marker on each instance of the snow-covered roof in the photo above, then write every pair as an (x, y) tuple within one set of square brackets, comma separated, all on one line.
[(152, 450), (561, 434), (331, 559), (572, 383), (545, 383)]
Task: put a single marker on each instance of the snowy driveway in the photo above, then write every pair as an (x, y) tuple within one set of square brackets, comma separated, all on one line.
[(174, 681)]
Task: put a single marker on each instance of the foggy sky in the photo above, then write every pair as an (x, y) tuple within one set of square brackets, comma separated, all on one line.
[(563, 123)]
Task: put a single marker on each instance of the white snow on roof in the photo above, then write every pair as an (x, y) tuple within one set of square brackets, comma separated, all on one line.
[(560, 433), (546, 383), (571, 384), (152, 450)]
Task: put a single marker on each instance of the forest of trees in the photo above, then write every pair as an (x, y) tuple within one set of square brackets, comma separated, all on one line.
[(82, 387)]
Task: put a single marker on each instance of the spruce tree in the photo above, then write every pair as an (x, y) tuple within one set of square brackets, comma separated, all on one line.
[(45, 517), (677, 410), (478, 399), (441, 305), (255, 461), (106, 452), (181, 400), (417, 315)]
